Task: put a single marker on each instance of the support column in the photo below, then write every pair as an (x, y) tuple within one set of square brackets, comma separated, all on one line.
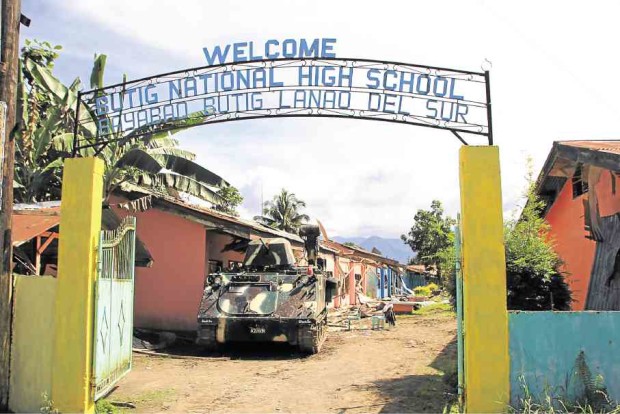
[(487, 365), (80, 224)]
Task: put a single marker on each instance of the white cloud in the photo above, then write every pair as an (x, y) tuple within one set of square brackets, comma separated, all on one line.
[(551, 79)]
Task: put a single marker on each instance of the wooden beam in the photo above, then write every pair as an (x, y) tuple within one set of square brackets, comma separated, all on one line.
[(45, 245), (37, 256), (9, 57)]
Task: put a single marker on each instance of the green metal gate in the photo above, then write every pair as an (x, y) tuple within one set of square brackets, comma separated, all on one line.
[(459, 310), (114, 306)]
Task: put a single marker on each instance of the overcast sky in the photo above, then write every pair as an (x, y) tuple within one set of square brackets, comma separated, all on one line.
[(552, 78)]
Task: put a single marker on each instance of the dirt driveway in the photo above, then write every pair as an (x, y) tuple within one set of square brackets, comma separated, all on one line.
[(360, 371)]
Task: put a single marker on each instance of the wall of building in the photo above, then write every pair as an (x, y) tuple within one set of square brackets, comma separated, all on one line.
[(167, 294), (216, 243), (548, 351), (32, 343), (371, 282), (572, 242)]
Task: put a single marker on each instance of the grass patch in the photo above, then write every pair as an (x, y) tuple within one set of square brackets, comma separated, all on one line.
[(154, 397), (435, 309), (104, 406)]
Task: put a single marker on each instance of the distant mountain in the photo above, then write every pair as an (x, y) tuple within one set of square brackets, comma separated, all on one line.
[(392, 248)]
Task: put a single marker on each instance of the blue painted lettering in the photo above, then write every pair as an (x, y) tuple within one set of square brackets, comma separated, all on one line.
[(218, 56)]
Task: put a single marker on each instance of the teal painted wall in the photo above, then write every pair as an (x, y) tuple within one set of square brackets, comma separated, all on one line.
[(413, 280), (544, 347)]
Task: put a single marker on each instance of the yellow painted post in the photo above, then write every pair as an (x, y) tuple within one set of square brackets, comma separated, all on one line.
[(80, 224), (487, 364)]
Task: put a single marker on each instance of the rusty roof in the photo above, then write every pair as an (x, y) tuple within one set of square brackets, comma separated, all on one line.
[(346, 250), (612, 146), (32, 220), (418, 268), (128, 188), (565, 156), (28, 224)]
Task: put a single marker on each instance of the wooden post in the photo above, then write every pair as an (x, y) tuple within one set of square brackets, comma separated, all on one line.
[(37, 256), (10, 14)]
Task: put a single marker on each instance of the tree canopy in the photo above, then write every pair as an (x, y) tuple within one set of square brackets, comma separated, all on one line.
[(283, 212), (533, 276), (430, 235), (534, 279)]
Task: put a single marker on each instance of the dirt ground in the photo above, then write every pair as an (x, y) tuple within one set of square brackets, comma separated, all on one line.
[(358, 371)]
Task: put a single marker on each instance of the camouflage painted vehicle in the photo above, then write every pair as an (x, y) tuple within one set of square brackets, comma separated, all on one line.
[(270, 299)]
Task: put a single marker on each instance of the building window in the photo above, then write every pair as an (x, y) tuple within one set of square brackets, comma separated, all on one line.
[(580, 183), (215, 266)]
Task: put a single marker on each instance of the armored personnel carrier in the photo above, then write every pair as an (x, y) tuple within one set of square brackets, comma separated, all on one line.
[(270, 299)]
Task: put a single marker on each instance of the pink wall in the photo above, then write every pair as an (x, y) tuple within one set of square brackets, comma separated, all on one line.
[(168, 293)]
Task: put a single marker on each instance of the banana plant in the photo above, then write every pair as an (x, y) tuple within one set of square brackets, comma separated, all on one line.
[(148, 157)]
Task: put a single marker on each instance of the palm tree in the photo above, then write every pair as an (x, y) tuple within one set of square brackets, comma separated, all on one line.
[(283, 212), (147, 157)]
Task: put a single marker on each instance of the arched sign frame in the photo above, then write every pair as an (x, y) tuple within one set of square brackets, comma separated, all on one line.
[(135, 99)]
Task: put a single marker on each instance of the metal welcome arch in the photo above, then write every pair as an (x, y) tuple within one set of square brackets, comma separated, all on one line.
[(434, 97)]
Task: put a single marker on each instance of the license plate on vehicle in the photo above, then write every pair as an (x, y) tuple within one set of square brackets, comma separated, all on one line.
[(257, 329)]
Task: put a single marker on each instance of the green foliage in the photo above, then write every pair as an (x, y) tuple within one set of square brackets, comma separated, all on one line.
[(427, 290), (435, 309), (104, 406), (351, 244), (146, 156), (432, 287), (534, 280), (48, 405), (283, 212), (447, 260), (422, 291), (42, 53), (231, 199), (550, 402), (430, 236)]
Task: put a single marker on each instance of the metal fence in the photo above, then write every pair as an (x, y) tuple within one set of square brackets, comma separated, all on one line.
[(114, 306)]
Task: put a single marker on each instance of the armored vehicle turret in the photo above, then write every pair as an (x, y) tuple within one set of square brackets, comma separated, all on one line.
[(271, 299)]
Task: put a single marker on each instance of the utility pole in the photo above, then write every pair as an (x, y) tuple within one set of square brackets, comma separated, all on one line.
[(9, 54)]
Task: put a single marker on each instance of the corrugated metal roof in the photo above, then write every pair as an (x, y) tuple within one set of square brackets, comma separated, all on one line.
[(128, 187), (612, 146), (31, 220), (28, 224)]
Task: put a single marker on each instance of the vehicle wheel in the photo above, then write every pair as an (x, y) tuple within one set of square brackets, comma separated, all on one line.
[(206, 338), (310, 338)]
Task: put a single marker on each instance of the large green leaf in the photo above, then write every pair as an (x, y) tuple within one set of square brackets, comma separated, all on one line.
[(195, 171), (46, 80), (172, 159), (162, 141), (96, 75), (180, 183)]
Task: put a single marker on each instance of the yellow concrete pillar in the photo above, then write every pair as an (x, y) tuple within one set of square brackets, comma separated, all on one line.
[(80, 224), (487, 364)]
